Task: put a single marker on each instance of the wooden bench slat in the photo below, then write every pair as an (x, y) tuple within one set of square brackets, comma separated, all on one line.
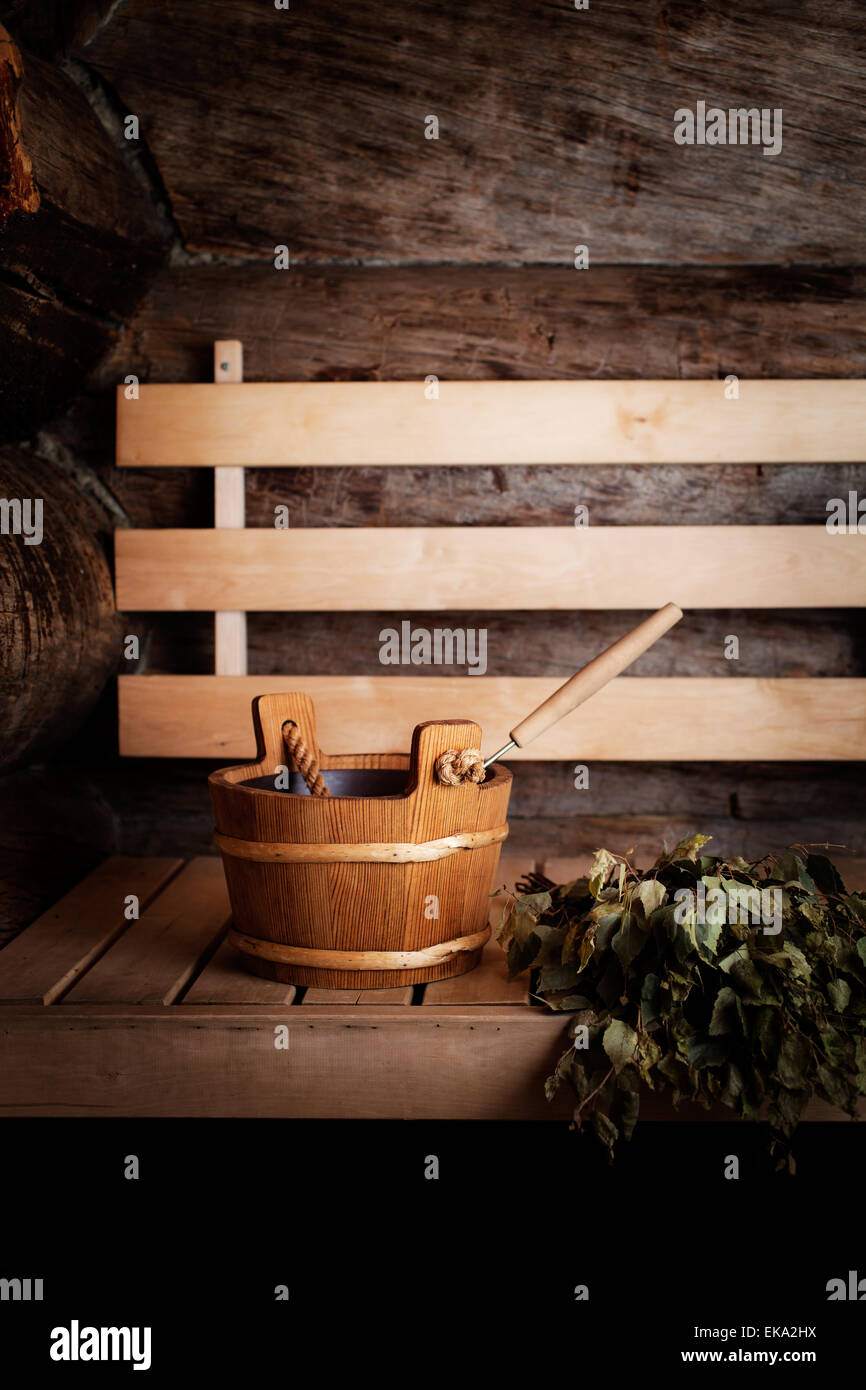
[(341, 1063), (400, 995), (44, 959), (640, 718), (159, 954), (487, 984), (224, 980), (491, 422), (449, 1063), (406, 569)]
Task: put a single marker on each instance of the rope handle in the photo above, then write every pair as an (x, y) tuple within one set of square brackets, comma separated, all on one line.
[(302, 760), (458, 765)]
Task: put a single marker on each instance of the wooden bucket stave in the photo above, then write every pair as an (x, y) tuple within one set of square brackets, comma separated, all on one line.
[(304, 919)]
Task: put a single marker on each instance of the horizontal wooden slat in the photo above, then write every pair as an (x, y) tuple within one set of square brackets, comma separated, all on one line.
[(483, 422), (225, 980), (364, 997), (380, 1062), (666, 719), (534, 567), (158, 955), (49, 955), (445, 1063)]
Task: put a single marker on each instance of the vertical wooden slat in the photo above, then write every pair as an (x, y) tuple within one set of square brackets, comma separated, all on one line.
[(230, 629)]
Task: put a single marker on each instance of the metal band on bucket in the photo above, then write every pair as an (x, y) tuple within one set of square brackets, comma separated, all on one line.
[(357, 960), (263, 852)]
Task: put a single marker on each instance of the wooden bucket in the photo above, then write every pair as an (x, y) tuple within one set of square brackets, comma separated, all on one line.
[(360, 891)]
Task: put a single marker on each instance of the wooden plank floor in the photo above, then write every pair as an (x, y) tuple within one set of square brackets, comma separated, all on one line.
[(103, 1012)]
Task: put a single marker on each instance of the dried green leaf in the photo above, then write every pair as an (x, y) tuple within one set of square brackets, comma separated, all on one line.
[(646, 1056), (793, 1062), (520, 917), (742, 969), (707, 934), (629, 940), (704, 1051), (650, 1009), (602, 866), (732, 1085), (650, 894), (627, 1106), (839, 994), (824, 874), (605, 1131), (789, 958), (791, 869), (575, 1001), (555, 976), (688, 848), (606, 929), (620, 1043), (834, 1087), (725, 1016)]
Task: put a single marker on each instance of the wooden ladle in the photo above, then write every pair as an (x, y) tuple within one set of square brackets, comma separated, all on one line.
[(590, 678)]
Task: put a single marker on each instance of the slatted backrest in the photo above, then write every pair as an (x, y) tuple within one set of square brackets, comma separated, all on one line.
[(229, 570)]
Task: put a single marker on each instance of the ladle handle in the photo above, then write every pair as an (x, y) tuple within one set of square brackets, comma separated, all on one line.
[(595, 674)]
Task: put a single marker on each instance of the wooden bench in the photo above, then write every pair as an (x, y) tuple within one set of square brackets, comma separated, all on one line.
[(103, 1014), (157, 1017)]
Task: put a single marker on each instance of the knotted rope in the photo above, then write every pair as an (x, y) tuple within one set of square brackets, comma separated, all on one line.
[(303, 761), (458, 765)]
